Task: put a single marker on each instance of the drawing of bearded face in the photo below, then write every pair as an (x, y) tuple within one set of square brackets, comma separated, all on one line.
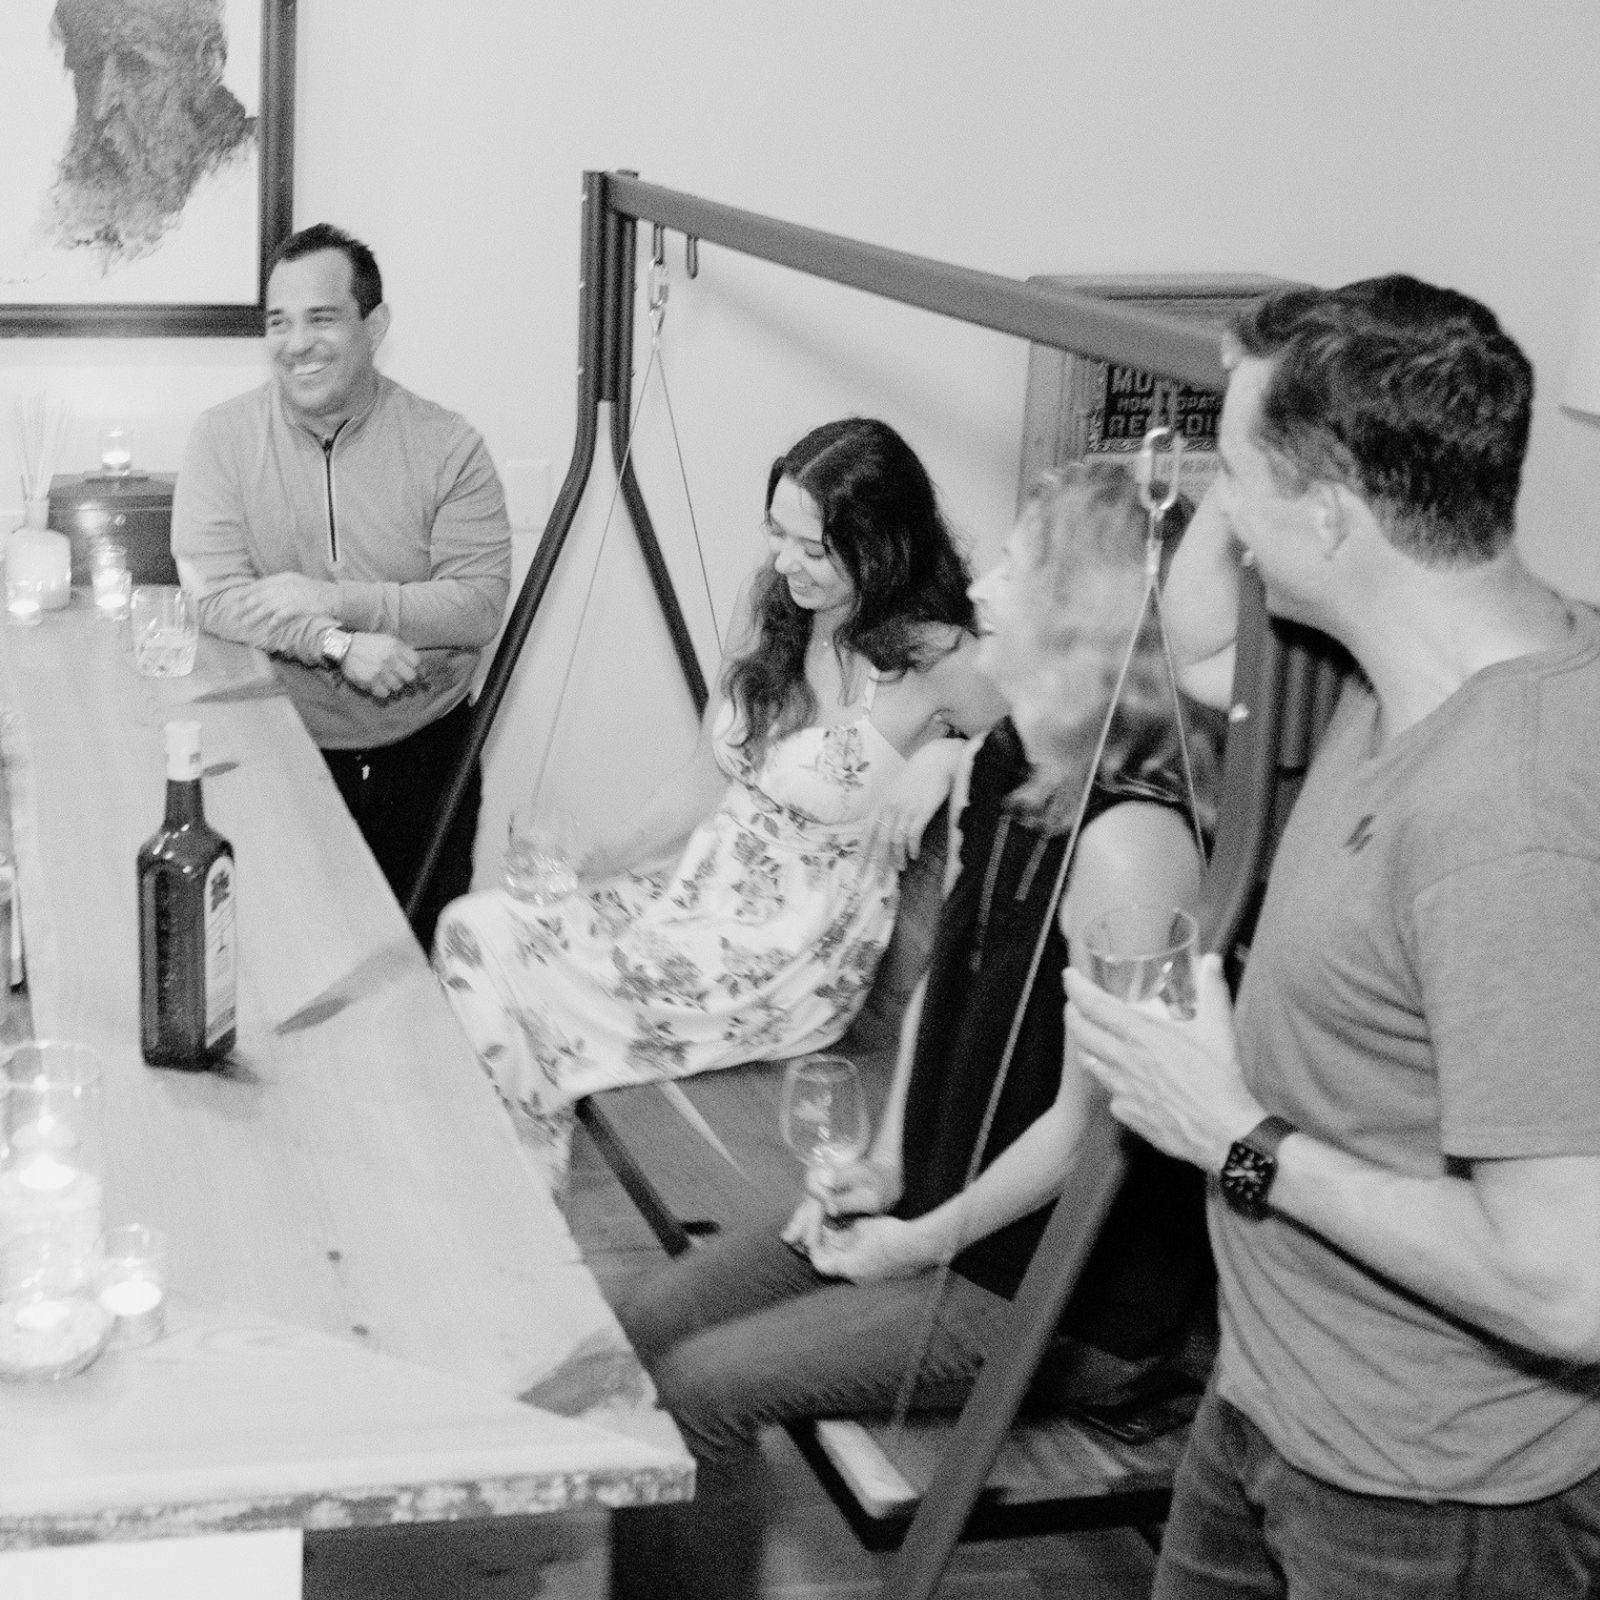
[(153, 118)]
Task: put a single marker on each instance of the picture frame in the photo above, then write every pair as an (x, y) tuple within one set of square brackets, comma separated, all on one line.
[(1077, 406), (92, 264)]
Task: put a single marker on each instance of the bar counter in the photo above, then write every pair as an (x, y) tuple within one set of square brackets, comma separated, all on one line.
[(365, 1272)]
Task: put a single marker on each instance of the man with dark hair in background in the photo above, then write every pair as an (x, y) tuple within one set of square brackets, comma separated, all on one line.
[(153, 118), (358, 533), (1403, 1116)]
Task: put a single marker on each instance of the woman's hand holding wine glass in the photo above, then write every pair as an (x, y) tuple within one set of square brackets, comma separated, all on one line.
[(823, 1118), (823, 1114)]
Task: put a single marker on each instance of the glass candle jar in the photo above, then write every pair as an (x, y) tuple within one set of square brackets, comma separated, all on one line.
[(51, 1165)]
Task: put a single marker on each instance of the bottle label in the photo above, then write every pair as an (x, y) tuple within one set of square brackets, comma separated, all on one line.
[(220, 958)]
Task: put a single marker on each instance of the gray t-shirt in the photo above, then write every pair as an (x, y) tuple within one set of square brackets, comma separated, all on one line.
[(1424, 988)]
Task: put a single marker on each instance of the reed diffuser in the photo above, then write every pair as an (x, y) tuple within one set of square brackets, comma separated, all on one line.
[(33, 552)]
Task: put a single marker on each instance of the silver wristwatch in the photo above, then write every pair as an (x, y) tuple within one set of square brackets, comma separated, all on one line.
[(334, 646)]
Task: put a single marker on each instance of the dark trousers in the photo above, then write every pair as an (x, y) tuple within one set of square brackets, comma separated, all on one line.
[(741, 1332), (394, 793), (1246, 1525)]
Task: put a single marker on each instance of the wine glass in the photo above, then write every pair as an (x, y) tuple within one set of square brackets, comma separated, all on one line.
[(541, 861), (1146, 956), (823, 1114)]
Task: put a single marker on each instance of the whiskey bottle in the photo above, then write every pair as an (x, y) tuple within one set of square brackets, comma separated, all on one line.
[(186, 923)]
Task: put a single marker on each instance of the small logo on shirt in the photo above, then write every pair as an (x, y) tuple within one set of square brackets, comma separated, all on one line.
[(1360, 835)]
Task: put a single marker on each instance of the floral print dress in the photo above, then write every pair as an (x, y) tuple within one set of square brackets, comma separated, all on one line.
[(762, 942)]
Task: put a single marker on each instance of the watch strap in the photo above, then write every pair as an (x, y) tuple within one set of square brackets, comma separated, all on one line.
[(1251, 1167), (1268, 1134)]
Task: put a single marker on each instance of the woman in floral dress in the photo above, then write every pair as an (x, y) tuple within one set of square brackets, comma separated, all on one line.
[(743, 911)]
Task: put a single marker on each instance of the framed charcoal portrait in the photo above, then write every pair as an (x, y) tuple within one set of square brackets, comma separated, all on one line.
[(148, 171)]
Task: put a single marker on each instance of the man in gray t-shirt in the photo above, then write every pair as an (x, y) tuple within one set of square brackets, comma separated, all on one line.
[(1404, 1113)]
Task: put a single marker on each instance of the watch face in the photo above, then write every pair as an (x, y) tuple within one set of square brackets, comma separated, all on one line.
[(1246, 1177)]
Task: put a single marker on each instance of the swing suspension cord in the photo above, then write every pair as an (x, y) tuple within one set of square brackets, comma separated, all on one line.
[(1156, 507), (658, 308), (1149, 601), (657, 289)]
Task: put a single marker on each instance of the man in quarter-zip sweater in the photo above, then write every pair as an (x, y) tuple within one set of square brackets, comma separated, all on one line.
[(358, 533)]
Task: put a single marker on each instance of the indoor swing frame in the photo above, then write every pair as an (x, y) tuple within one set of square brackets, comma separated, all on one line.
[(1283, 692)]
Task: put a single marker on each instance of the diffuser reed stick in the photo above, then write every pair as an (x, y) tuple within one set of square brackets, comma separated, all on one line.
[(44, 427)]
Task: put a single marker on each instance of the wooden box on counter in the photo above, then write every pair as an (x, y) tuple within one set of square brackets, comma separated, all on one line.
[(135, 511)]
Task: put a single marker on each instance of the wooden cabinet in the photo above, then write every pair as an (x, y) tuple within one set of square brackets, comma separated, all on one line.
[(135, 512)]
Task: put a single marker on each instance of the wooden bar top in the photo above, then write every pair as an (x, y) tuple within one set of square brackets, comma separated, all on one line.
[(345, 1198)]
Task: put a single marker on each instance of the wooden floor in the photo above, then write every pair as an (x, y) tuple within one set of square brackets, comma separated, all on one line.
[(812, 1554)]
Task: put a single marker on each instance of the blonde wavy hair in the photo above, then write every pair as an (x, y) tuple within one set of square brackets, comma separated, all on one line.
[(1083, 548)]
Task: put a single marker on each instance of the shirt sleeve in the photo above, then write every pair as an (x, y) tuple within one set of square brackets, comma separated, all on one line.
[(211, 546), (1507, 952), (460, 604)]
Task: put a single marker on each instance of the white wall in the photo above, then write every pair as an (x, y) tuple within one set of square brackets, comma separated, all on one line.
[(1451, 138)]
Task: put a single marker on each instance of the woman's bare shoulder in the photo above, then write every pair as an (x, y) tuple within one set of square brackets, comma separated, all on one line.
[(1136, 853)]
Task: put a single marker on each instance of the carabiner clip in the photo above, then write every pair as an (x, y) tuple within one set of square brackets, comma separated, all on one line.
[(1144, 472), (656, 292)]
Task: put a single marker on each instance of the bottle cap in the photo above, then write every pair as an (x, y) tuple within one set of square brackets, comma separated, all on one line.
[(183, 751)]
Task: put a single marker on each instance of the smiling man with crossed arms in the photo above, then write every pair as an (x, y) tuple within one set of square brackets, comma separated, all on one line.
[(359, 534)]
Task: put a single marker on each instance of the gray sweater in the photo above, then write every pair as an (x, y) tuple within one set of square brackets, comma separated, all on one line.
[(403, 511)]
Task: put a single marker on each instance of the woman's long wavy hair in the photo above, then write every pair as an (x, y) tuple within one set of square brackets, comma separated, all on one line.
[(882, 526), (1084, 546)]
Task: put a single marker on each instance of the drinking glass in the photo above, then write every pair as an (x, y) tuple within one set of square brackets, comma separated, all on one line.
[(24, 602), (541, 862), (166, 631), (1146, 956), (823, 1114)]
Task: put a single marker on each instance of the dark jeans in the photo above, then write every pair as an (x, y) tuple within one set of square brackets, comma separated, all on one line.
[(394, 793), (742, 1332), (1246, 1525)]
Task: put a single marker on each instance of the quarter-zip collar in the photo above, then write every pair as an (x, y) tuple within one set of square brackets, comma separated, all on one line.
[(349, 425), (326, 444)]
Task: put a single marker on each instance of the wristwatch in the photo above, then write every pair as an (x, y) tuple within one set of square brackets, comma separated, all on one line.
[(334, 646), (1252, 1164)]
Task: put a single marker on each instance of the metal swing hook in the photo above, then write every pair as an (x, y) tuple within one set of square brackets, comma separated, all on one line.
[(1157, 506), (656, 290)]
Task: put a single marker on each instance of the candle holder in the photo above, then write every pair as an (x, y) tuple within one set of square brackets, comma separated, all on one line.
[(24, 602), (50, 1167), (113, 583), (116, 453), (49, 1327), (133, 1286)]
